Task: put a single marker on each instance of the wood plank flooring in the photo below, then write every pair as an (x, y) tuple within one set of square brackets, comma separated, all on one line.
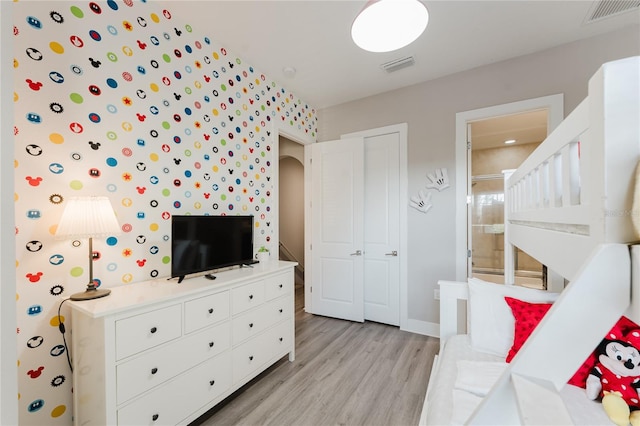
[(345, 373)]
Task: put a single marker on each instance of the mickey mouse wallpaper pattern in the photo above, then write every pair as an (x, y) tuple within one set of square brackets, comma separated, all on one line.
[(125, 99)]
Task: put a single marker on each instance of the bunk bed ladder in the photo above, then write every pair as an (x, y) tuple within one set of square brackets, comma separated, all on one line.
[(585, 311)]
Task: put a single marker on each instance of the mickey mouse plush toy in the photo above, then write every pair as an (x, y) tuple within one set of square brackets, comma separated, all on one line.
[(616, 378)]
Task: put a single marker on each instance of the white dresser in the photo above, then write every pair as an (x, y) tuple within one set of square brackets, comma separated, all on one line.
[(162, 353)]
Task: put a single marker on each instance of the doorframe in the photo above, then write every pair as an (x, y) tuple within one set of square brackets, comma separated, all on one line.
[(280, 129), (402, 130), (554, 104)]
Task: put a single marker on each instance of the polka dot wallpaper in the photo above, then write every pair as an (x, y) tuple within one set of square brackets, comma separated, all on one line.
[(125, 99)]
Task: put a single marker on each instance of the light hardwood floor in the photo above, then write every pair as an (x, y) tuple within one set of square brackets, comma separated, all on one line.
[(345, 373)]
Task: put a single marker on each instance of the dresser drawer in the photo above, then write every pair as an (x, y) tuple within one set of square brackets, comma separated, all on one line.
[(140, 332), (175, 401), (204, 311), (278, 285), (247, 297), (157, 366), (250, 324), (279, 340), (279, 310), (248, 357), (253, 322), (254, 353)]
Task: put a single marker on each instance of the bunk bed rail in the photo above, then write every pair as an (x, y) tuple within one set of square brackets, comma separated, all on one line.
[(575, 190)]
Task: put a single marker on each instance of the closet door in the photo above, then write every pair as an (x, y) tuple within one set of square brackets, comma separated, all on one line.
[(356, 225), (382, 229), (337, 208)]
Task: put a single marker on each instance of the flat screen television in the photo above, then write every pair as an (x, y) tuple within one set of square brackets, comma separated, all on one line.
[(206, 243)]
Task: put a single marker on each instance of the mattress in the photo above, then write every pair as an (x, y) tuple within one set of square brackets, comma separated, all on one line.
[(440, 403)]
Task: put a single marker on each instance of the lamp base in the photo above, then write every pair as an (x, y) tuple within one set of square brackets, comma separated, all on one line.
[(90, 294)]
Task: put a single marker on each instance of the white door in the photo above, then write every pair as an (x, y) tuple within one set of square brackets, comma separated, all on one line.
[(382, 229), (337, 170), (349, 177)]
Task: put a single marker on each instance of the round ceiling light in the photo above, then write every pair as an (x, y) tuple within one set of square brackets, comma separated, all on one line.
[(386, 25)]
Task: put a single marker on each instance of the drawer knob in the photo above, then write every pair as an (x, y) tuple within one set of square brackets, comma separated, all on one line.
[(281, 339), (154, 370), (155, 417), (250, 357), (210, 344), (280, 310), (153, 330), (212, 382), (280, 286), (250, 325), (251, 297), (210, 310)]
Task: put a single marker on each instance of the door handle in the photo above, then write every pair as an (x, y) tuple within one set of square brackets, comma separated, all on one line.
[(393, 253), (357, 253)]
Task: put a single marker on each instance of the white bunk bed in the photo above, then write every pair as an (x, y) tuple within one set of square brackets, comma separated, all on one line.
[(569, 205)]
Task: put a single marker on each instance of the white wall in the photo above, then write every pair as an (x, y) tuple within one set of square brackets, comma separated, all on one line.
[(289, 148), (8, 352), (430, 108), (291, 206)]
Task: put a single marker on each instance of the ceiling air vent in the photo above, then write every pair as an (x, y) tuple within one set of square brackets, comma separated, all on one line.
[(397, 64), (607, 8)]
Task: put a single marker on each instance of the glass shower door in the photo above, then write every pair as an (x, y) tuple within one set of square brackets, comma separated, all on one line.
[(487, 236)]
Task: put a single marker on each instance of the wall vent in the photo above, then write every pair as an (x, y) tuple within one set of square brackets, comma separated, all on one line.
[(603, 9), (397, 64)]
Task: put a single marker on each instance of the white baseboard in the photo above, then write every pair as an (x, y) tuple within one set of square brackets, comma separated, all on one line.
[(422, 327)]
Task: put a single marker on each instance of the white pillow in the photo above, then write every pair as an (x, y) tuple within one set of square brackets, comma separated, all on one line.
[(491, 322)]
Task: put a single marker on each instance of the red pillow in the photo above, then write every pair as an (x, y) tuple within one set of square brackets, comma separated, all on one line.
[(620, 328), (527, 316)]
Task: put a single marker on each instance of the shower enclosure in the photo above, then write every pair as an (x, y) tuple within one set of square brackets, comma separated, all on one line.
[(487, 237)]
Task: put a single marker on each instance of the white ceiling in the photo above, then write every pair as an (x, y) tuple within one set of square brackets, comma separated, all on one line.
[(314, 38)]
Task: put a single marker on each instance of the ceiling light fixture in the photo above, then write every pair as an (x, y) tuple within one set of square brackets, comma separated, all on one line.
[(386, 25), (510, 141)]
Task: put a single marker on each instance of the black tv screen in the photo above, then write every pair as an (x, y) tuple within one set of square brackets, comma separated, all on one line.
[(206, 243)]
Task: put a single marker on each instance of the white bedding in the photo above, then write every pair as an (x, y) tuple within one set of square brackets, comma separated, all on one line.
[(478, 377), (441, 403)]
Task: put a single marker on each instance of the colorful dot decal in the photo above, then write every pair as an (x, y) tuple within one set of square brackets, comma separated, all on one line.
[(117, 98)]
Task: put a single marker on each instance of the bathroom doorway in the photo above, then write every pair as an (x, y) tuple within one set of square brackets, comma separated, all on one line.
[(499, 144), (493, 122)]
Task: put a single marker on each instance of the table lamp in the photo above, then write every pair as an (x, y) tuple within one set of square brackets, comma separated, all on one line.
[(88, 217)]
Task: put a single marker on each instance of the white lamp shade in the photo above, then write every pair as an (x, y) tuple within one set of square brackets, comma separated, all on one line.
[(85, 217), (386, 25)]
